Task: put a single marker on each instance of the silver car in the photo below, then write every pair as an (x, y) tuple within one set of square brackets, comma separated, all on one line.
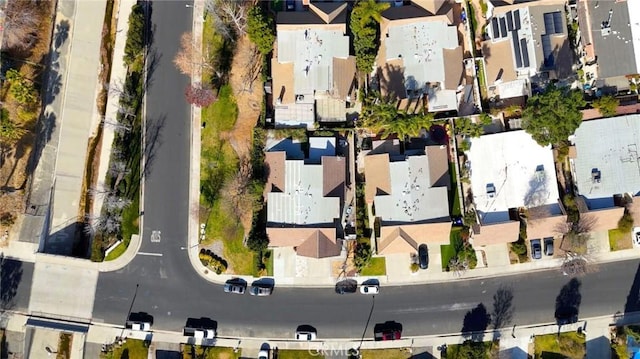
[(234, 288), (260, 291)]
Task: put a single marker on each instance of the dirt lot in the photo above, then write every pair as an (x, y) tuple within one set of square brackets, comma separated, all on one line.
[(247, 89)]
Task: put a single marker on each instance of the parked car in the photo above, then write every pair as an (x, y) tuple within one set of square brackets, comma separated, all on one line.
[(291, 5), (369, 289), (536, 249), (423, 256), (305, 335), (636, 237), (387, 334), (141, 326), (548, 246), (235, 286), (204, 333), (346, 286), (260, 291), (263, 354)]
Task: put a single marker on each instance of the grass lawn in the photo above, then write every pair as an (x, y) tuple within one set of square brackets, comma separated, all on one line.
[(619, 240), (209, 352), (449, 250), (482, 79), (552, 346), (219, 163), (298, 354), (385, 354), (454, 200), (132, 349), (377, 266), (269, 263), (456, 351), (117, 252)]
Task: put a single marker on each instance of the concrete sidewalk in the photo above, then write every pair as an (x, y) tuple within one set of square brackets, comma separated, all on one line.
[(514, 342)]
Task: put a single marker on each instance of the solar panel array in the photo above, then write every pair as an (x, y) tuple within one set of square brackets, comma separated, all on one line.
[(503, 25), (552, 26), (553, 23)]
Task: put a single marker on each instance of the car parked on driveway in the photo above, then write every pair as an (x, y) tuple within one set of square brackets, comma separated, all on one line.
[(423, 256), (548, 246), (536, 249)]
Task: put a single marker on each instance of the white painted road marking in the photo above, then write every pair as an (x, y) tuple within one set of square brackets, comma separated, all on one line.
[(150, 254)]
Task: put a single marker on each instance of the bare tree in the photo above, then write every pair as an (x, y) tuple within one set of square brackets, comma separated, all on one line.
[(116, 203), (576, 234), (230, 16), (458, 266), (253, 64), (236, 192), (189, 57), (199, 95), (108, 223), (94, 192), (21, 24), (118, 170)]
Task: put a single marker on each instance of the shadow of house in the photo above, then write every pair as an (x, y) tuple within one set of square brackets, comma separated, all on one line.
[(599, 347), (10, 279), (633, 298), (517, 353)]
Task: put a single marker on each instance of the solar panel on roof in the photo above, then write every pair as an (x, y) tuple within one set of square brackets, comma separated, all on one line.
[(549, 28), (503, 27), (557, 22), (510, 21), (525, 52), (516, 19), (516, 49), (547, 51), (496, 31)]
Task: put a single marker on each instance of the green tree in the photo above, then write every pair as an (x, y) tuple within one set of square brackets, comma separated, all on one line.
[(464, 126), (21, 88), (606, 105), (9, 131), (364, 26), (472, 350), (362, 255), (260, 29), (554, 115), (135, 35)]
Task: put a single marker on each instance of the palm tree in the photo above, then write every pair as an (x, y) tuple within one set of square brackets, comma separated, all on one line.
[(369, 10)]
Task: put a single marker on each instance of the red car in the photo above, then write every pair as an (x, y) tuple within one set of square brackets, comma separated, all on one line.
[(391, 334)]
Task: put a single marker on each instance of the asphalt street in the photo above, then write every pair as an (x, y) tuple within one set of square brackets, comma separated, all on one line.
[(164, 285)]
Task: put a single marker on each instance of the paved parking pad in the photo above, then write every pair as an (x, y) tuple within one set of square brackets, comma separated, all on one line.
[(67, 291)]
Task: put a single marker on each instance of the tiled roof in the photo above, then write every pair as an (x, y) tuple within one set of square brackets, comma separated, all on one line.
[(319, 245), (505, 232)]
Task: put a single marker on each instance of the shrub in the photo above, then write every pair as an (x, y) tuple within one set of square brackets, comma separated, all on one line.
[(260, 29), (135, 35), (362, 255), (625, 224), (414, 267), (519, 248), (7, 219)]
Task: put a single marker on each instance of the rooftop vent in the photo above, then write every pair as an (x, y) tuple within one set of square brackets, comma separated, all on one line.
[(595, 175), (491, 190)]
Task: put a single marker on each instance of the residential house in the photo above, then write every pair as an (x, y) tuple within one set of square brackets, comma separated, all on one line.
[(420, 55), (605, 165), (409, 194), (305, 199), (527, 45), (510, 172), (610, 42), (313, 74)]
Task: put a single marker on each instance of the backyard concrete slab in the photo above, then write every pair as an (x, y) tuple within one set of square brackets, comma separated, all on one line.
[(66, 290)]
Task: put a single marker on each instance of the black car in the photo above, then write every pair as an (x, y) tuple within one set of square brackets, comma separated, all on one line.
[(423, 256), (347, 286)]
